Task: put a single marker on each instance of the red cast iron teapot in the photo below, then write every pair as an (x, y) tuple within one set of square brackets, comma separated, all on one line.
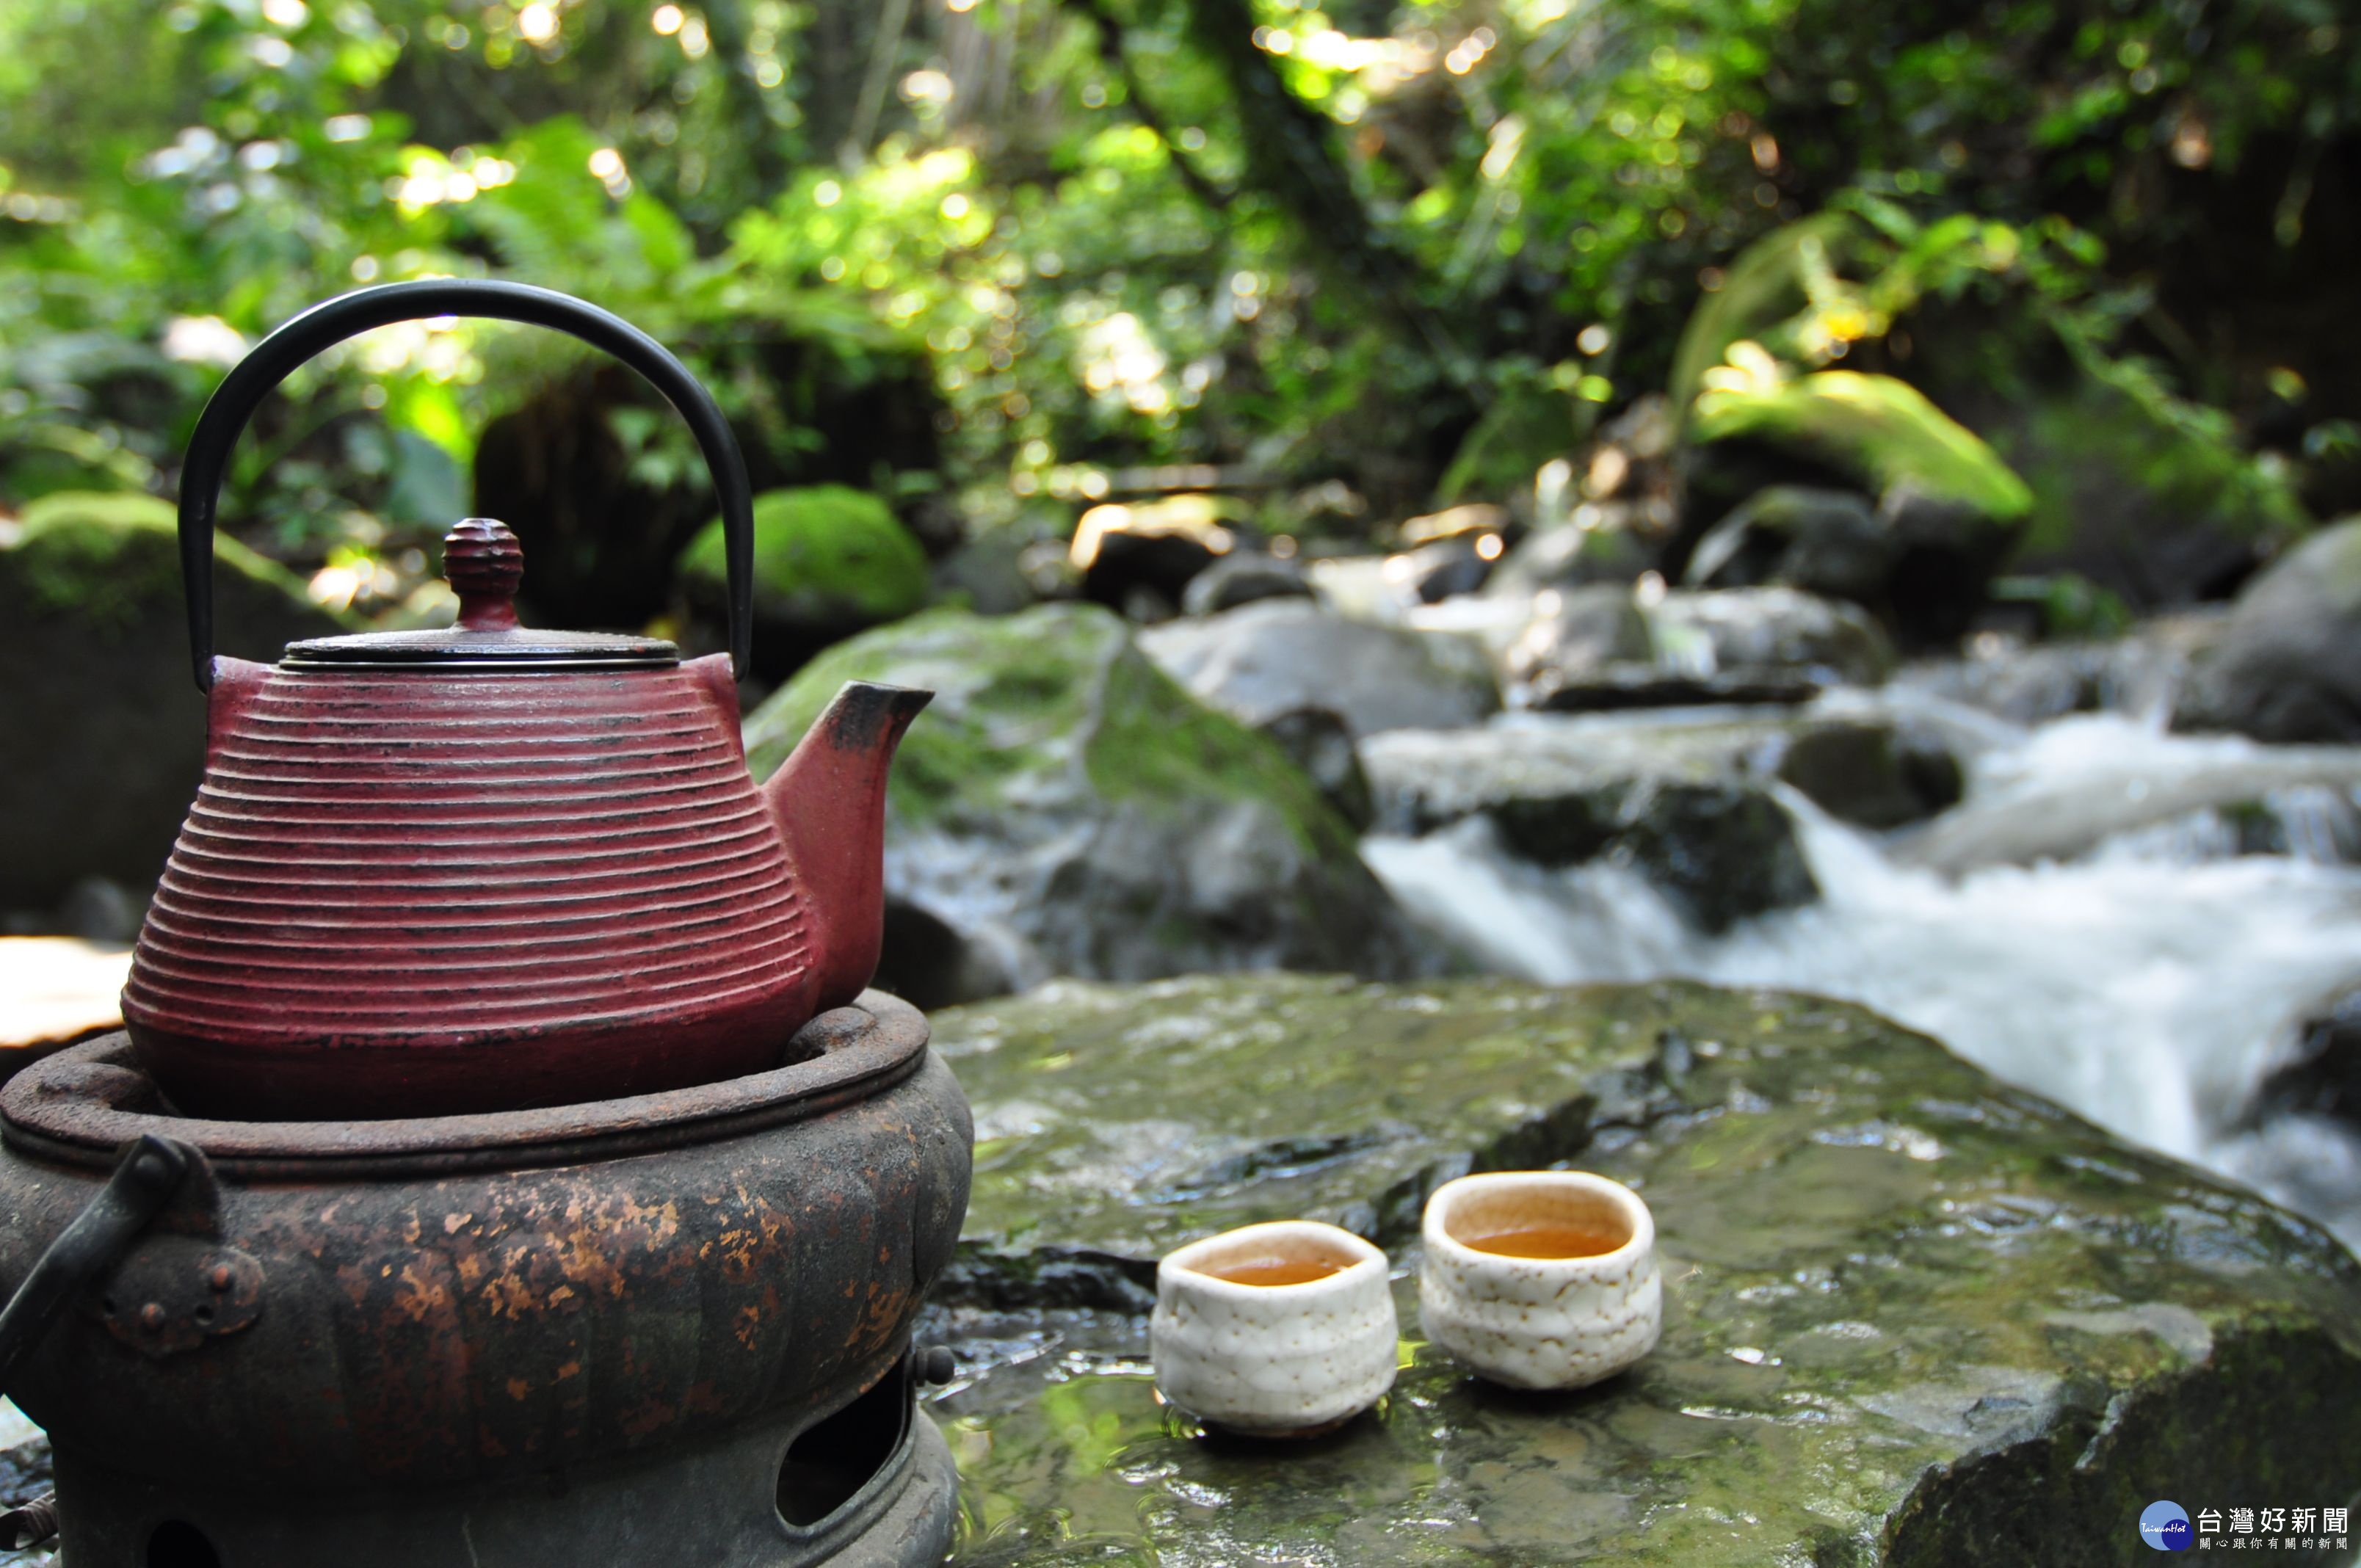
[(432, 872)]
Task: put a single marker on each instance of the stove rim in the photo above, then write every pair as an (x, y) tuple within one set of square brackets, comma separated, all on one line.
[(59, 1110)]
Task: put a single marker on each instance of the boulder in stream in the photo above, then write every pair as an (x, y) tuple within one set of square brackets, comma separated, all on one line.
[(1139, 557), (829, 561), (1574, 555), (95, 690), (1447, 568), (1871, 772), (1821, 541), (1602, 648), (1241, 577), (2205, 800), (1321, 744), (1064, 808), (1262, 660), (1948, 511), (1686, 803), (2288, 666), (1912, 1316), (2323, 1076), (1772, 630)]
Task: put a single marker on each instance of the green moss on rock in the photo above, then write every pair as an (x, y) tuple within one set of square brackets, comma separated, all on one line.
[(1011, 694), (1056, 689), (94, 679), (828, 550), (1913, 1316), (1155, 743), (108, 556), (1062, 799), (1881, 431)]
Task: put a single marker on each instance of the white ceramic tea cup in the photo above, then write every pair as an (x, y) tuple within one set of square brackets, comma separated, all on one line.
[(1561, 1322), (1285, 1359)]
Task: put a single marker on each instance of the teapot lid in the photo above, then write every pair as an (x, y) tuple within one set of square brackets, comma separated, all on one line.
[(483, 563)]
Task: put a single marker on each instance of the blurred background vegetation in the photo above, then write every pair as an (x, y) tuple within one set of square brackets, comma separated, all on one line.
[(995, 261)]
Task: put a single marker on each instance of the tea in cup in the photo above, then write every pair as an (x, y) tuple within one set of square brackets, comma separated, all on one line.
[(1541, 1278), (1277, 1330)]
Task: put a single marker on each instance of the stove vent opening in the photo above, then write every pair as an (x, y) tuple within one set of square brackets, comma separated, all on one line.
[(176, 1543), (830, 1463)]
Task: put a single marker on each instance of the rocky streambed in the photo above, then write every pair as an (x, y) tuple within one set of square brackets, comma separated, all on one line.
[(1913, 1315), (1918, 1313), (2138, 923), (2012, 850)]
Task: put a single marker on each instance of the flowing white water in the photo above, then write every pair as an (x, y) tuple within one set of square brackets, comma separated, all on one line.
[(2145, 986)]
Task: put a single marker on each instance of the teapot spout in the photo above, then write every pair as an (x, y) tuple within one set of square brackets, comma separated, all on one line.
[(829, 799)]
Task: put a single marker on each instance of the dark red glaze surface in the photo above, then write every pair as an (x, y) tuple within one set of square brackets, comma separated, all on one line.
[(485, 566), (488, 869), (386, 872)]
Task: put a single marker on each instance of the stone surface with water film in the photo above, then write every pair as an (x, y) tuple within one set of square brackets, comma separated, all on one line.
[(1912, 1315)]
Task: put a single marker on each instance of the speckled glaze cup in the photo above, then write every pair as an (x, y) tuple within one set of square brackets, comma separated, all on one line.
[(1540, 1322), (1289, 1360)]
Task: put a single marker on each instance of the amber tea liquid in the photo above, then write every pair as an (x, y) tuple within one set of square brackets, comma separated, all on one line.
[(1545, 1241), (1276, 1271)]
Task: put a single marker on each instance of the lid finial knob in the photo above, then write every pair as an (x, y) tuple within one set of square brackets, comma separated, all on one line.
[(483, 563)]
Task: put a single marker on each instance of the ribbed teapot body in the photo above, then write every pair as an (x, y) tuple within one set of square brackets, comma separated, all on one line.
[(424, 892)]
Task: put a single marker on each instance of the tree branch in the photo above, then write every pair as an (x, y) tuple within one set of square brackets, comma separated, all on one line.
[(1291, 155), (1211, 197), (883, 48)]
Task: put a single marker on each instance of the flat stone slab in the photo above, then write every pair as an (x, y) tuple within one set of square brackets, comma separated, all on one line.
[(1912, 1315), (57, 989)]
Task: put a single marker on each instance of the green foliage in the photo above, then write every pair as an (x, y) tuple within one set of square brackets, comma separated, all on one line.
[(840, 547), (1787, 271), (2118, 432), (2091, 424), (2071, 605), (1415, 246)]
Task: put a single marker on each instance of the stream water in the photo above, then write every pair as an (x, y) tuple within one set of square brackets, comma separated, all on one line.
[(2148, 981)]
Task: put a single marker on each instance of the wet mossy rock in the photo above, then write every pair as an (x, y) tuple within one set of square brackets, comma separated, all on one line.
[(1913, 1317), (95, 696), (1823, 541), (829, 561), (1881, 431), (1065, 808), (1274, 657), (1596, 648), (2288, 665), (1691, 807), (1948, 509)]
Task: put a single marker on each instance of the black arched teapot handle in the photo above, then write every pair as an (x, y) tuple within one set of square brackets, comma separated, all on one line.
[(324, 325)]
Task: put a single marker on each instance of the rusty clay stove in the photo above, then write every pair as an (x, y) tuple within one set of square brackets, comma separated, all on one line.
[(623, 1263), (672, 1328)]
